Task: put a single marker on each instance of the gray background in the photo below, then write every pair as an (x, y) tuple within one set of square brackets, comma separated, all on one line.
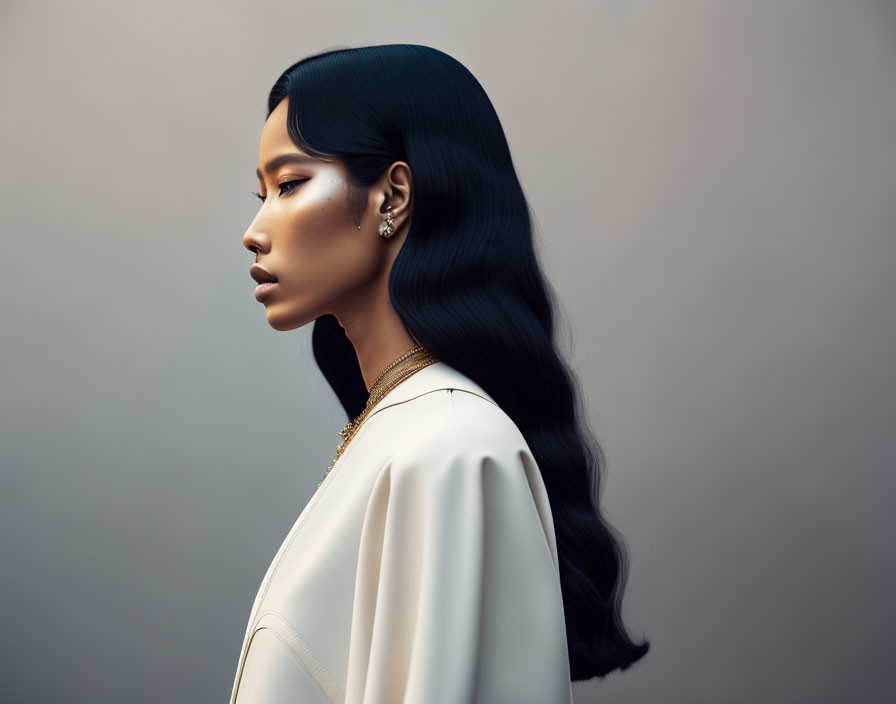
[(714, 189)]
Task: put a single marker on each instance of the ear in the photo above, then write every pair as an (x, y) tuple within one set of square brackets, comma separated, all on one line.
[(394, 188)]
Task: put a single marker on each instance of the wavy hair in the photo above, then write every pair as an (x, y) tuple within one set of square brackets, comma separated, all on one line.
[(468, 287)]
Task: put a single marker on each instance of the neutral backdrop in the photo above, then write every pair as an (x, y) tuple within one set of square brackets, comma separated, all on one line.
[(713, 185)]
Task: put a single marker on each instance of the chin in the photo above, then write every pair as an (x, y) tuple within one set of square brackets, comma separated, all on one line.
[(283, 323)]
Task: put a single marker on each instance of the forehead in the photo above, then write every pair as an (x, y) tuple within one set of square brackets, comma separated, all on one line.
[(274, 137), (276, 146)]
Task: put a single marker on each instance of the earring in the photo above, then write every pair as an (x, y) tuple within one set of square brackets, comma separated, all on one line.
[(386, 227)]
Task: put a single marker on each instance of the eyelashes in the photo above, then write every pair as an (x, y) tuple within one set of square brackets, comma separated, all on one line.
[(282, 186)]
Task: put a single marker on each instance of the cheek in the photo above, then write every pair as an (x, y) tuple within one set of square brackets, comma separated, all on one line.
[(322, 247)]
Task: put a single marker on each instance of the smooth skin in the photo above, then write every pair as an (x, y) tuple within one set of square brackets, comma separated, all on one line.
[(306, 234)]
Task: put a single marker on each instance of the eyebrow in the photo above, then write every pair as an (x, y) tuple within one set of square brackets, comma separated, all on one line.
[(282, 159)]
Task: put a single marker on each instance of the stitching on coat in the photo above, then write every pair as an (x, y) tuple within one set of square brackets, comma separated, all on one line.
[(303, 653), (424, 393)]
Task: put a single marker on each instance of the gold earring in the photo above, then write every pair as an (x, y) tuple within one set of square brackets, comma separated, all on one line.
[(386, 227)]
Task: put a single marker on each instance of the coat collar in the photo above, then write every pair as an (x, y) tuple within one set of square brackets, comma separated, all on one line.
[(433, 377)]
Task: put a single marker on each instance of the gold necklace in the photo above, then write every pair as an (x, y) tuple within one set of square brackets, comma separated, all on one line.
[(407, 364)]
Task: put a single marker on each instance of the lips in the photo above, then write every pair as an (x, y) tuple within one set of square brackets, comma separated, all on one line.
[(262, 276)]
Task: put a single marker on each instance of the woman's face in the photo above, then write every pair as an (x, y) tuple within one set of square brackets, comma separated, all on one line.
[(306, 234)]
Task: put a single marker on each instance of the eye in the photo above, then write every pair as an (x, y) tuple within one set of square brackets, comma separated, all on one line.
[(290, 183), (282, 186)]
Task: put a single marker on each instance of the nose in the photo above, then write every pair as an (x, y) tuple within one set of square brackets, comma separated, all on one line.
[(255, 242)]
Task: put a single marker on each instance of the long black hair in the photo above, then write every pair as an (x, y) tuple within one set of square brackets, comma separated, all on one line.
[(468, 287)]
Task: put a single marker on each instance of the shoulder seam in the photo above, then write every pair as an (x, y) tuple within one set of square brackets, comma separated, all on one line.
[(430, 391), (399, 403), (473, 393)]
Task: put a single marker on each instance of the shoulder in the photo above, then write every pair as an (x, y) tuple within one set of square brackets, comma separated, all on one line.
[(452, 430), (460, 456)]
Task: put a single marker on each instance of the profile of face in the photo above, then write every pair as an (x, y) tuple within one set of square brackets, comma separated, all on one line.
[(306, 232)]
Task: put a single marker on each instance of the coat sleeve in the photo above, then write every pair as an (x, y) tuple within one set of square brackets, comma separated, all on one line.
[(457, 593)]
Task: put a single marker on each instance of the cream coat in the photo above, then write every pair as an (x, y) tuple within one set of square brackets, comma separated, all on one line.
[(422, 571)]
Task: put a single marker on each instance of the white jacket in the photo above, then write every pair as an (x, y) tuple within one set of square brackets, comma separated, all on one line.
[(422, 571)]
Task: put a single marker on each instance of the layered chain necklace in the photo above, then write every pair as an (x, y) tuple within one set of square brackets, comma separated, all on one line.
[(410, 362)]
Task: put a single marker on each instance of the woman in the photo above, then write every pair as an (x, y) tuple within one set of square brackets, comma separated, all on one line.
[(453, 551)]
